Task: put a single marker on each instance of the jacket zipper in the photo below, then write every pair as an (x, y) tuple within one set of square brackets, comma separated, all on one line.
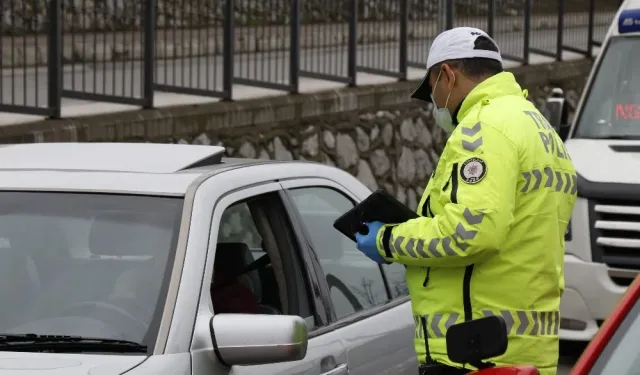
[(453, 180), (426, 212), (468, 271), (426, 278), (454, 183)]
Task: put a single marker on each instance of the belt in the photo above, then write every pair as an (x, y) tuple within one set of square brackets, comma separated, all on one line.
[(441, 369)]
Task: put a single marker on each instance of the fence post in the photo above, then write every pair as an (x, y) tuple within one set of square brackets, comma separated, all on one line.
[(492, 18), (294, 55), (560, 34), (54, 59), (403, 40), (592, 11), (148, 81), (450, 15), (527, 31), (353, 43), (228, 46)]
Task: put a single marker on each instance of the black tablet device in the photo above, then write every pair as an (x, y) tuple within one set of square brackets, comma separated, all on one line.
[(379, 206)]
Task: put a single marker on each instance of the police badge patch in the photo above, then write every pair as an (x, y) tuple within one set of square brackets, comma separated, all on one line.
[(473, 170)]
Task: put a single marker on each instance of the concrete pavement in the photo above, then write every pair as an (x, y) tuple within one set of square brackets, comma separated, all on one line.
[(565, 365)]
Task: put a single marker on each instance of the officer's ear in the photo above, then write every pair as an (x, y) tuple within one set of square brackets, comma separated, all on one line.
[(449, 75)]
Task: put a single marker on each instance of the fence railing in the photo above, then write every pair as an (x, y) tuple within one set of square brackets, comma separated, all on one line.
[(125, 51)]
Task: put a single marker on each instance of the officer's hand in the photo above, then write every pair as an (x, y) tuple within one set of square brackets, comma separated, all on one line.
[(367, 242)]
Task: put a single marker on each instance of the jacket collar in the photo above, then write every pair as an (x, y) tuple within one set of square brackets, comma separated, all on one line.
[(501, 84)]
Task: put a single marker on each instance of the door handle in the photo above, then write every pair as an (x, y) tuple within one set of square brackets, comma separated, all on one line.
[(338, 370)]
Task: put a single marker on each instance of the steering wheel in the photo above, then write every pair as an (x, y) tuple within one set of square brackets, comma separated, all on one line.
[(333, 281), (108, 313)]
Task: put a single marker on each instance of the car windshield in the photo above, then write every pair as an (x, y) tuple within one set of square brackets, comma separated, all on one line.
[(621, 355), (91, 265), (612, 107)]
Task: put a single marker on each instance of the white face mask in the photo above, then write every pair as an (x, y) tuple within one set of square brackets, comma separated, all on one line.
[(442, 116)]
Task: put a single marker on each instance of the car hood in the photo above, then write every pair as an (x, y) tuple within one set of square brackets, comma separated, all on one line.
[(67, 364), (596, 161)]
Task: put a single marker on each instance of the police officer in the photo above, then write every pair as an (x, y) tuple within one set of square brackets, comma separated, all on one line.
[(490, 239)]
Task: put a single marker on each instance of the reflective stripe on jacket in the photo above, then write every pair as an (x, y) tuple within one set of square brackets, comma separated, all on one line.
[(490, 239)]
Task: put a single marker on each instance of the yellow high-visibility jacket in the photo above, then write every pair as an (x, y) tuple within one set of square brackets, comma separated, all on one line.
[(490, 239)]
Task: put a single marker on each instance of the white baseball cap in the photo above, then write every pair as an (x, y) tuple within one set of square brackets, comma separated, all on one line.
[(454, 44)]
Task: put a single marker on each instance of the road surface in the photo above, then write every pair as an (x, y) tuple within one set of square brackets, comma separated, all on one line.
[(125, 78)]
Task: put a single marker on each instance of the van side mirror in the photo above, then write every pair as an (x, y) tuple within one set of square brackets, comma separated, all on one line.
[(255, 339), (556, 112), (474, 341)]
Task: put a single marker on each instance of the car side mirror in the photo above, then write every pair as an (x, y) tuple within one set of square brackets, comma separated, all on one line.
[(255, 339), (474, 341), (556, 112)]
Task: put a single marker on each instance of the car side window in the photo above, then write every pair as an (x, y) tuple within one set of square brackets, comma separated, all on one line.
[(235, 289), (396, 280), (355, 282)]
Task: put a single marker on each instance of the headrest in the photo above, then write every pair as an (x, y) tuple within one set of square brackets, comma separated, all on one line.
[(231, 256), (126, 233)]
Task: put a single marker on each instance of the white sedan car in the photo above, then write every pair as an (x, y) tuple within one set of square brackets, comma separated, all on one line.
[(170, 259)]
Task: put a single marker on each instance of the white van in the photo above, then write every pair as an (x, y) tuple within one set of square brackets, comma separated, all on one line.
[(603, 140)]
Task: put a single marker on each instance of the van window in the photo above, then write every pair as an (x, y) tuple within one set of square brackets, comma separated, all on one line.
[(612, 108)]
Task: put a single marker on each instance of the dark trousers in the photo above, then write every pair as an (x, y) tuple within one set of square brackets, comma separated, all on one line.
[(441, 369)]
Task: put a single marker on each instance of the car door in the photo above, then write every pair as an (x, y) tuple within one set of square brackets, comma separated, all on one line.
[(235, 220), (370, 306)]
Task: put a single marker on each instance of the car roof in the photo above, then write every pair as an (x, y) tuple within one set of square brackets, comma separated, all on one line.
[(134, 168), (108, 157)]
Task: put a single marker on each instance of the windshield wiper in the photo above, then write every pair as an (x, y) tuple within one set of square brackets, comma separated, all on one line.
[(30, 342)]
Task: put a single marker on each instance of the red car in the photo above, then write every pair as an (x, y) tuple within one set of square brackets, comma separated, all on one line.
[(615, 350)]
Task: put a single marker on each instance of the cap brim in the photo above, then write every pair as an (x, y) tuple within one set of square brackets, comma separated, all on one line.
[(423, 92)]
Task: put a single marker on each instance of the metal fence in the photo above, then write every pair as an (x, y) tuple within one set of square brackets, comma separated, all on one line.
[(125, 51)]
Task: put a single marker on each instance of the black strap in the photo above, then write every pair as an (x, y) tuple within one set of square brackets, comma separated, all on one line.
[(261, 262)]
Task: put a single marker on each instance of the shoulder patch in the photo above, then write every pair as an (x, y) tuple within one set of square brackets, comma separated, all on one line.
[(473, 170)]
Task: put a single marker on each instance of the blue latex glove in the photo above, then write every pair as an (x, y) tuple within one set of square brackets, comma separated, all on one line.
[(367, 242)]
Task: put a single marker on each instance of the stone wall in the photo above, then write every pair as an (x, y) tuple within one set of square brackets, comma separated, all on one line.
[(375, 132)]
